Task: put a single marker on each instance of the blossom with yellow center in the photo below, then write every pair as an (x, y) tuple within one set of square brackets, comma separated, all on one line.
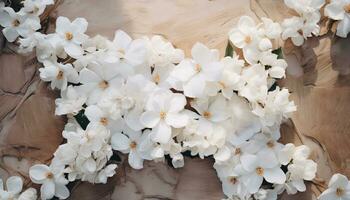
[(69, 36), (103, 84)]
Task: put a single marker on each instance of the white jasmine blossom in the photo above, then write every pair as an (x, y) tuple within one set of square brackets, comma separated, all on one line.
[(338, 188), (339, 10)]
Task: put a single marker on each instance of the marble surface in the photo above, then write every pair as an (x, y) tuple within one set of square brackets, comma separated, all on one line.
[(318, 79)]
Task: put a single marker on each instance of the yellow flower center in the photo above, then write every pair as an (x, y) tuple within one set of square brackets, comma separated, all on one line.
[(247, 39), (162, 115), (49, 175), (156, 78), (59, 75), (233, 180), (339, 192), (347, 8), (270, 144), (69, 36), (121, 53), (238, 151), (197, 68), (104, 121), (259, 171), (16, 22), (103, 84), (222, 84), (133, 145), (206, 114)]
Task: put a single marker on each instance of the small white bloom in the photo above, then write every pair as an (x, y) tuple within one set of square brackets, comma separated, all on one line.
[(339, 10), (16, 24), (59, 74), (35, 7), (71, 101), (194, 74), (14, 186), (29, 194), (163, 111), (338, 188), (52, 180), (108, 171), (304, 7), (72, 35)]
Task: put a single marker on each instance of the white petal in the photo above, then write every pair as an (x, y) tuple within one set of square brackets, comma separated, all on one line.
[(201, 54), (252, 182), (161, 133), (274, 175), (223, 154), (136, 53), (334, 11), (176, 120), (344, 27), (120, 142), (62, 23), (38, 173), (14, 184), (47, 190), (267, 158), (93, 113), (121, 39), (338, 180), (249, 162), (87, 76), (195, 87), (150, 119), (329, 194), (132, 119), (10, 34), (177, 103), (298, 40), (73, 50), (61, 191), (135, 160), (183, 71), (80, 25)]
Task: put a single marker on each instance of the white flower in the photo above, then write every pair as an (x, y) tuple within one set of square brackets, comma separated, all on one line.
[(35, 7), (108, 171), (128, 142), (277, 67), (98, 79), (271, 29), (298, 28), (194, 74), (305, 6), (163, 111), (338, 189), (71, 101), (59, 74), (16, 24), (29, 194), (230, 79), (100, 116), (263, 165), (245, 34), (71, 35), (52, 180), (14, 186), (339, 10), (233, 186), (126, 52), (265, 194), (255, 82)]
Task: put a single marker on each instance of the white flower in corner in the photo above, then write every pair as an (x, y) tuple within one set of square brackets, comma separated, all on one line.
[(14, 186), (35, 7), (194, 74), (163, 111), (338, 189), (339, 10), (263, 165), (16, 24), (245, 35), (72, 35), (71, 101), (59, 74), (52, 180), (304, 7), (129, 142)]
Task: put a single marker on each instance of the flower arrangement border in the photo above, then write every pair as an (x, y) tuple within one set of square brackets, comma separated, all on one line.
[(142, 97)]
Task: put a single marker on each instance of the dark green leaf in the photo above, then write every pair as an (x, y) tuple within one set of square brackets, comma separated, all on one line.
[(82, 119), (229, 50), (278, 52)]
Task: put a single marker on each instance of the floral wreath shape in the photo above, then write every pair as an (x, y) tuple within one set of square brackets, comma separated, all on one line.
[(142, 97)]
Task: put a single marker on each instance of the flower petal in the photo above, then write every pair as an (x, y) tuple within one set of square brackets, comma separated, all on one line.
[(176, 120), (135, 160), (38, 173), (274, 175), (120, 142), (47, 190), (150, 119), (14, 184), (161, 133)]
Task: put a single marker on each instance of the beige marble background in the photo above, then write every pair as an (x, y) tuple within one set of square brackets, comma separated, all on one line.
[(318, 79)]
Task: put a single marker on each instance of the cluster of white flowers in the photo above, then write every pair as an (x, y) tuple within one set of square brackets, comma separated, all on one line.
[(143, 98), (339, 10), (14, 186)]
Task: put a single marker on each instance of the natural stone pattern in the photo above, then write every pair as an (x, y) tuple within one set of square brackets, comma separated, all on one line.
[(318, 79)]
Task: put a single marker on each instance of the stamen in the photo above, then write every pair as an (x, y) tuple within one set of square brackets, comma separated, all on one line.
[(59, 75), (103, 84), (347, 8), (162, 115), (270, 144), (133, 145), (69, 36), (206, 114), (339, 192), (16, 23), (197, 68), (248, 39), (260, 171), (104, 121), (233, 180)]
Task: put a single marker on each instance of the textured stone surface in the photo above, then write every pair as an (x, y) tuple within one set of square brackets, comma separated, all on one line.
[(318, 79)]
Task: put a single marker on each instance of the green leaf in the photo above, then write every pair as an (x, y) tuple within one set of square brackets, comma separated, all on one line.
[(82, 120), (229, 50), (278, 52)]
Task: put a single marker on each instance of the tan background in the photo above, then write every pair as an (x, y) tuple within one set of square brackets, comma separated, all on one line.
[(318, 80)]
